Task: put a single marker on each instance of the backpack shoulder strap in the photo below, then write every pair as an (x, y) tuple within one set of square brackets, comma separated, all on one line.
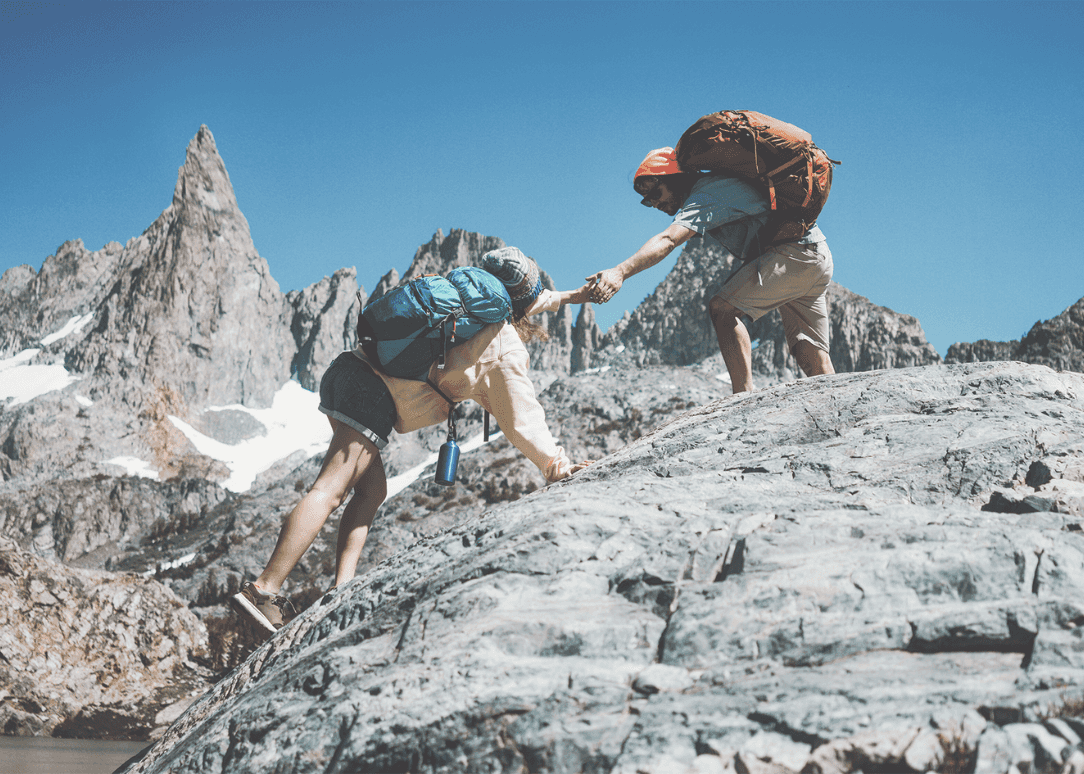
[(440, 392), (451, 408), (451, 411)]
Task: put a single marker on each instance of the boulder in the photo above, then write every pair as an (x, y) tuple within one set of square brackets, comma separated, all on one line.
[(92, 654), (801, 573)]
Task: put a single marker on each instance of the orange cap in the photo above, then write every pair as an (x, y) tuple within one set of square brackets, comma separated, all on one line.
[(659, 162)]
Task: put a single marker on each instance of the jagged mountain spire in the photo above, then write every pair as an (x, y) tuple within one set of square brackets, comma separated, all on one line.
[(183, 317), (194, 308), (203, 179)]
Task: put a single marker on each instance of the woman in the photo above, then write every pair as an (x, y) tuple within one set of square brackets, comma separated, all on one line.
[(363, 405)]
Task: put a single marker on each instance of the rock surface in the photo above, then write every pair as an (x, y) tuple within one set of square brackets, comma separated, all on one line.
[(323, 325), (83, 520), (86, 653), (811, 574), (593, 414)]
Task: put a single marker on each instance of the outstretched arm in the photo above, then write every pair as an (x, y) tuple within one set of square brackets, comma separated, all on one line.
[(578, 296), (552, 300), (510, 397), (604, 284)]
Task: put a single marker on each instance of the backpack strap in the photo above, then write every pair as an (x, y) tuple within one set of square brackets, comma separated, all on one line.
[(441, 325), (440, 392), (365, 333), (453, 317), (452, 405), (808, 158)]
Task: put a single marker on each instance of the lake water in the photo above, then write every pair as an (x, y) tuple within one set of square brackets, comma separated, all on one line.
[(45, 755)]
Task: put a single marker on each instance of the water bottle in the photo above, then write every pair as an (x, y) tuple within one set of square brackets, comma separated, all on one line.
[(448, 458), (447, 462)]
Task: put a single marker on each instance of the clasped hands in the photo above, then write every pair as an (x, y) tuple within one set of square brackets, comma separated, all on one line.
[(601, 286)]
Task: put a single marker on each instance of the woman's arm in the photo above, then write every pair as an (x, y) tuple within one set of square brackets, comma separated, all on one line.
[(510, 396), (552, 300), (577, 296)]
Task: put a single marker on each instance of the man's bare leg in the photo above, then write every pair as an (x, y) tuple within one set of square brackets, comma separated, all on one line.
[(813, 360), (734, 343)]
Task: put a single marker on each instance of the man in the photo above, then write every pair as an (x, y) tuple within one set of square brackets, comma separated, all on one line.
[(792, 277)]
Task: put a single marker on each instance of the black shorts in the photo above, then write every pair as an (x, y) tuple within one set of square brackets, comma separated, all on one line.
[(351, 393)]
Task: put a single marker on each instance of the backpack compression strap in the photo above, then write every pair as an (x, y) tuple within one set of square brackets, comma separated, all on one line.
[(454, 316), (441, 324)]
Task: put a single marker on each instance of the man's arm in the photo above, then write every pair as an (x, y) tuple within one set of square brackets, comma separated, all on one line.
[(609, 281)]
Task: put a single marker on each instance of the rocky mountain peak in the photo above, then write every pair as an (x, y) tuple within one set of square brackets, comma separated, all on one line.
[(187, 310), (1058, 343), (70, 284), (444, 253), (203, 180), (193, 302)]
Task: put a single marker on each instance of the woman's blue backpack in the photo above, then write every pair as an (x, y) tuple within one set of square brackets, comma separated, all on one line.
[(411, 326)]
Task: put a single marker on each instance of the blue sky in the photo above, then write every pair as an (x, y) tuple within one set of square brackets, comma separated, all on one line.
[(353, 131)]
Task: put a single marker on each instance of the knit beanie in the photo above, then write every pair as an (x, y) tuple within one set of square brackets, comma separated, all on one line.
[(518, 273)]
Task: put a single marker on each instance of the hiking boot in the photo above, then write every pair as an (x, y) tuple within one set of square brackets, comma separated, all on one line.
[(268, 611)]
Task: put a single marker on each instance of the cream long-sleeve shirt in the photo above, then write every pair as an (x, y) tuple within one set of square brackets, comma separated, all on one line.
[(490, 368)]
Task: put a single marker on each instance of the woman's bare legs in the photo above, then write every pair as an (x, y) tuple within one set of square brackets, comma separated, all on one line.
[(369, 493), (348, 457)]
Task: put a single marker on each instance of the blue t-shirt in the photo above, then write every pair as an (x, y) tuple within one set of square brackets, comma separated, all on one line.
[(729, 211)]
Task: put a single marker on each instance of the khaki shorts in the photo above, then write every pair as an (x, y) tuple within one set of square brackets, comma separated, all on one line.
[(792, 278)]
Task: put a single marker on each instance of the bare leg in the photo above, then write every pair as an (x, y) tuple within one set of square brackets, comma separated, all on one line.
[(369, 493), (349, 455), (811, 359), (734, 343)]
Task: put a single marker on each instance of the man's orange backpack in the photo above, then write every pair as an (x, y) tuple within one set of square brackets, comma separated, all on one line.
[(776, 157)]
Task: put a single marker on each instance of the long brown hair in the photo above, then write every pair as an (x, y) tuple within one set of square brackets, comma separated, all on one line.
[(529, 330)]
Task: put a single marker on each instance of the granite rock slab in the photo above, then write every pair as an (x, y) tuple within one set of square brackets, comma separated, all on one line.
[(798, 579)]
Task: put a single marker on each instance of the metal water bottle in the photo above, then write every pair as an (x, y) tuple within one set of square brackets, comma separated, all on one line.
[(448, 458), (447, 461)]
